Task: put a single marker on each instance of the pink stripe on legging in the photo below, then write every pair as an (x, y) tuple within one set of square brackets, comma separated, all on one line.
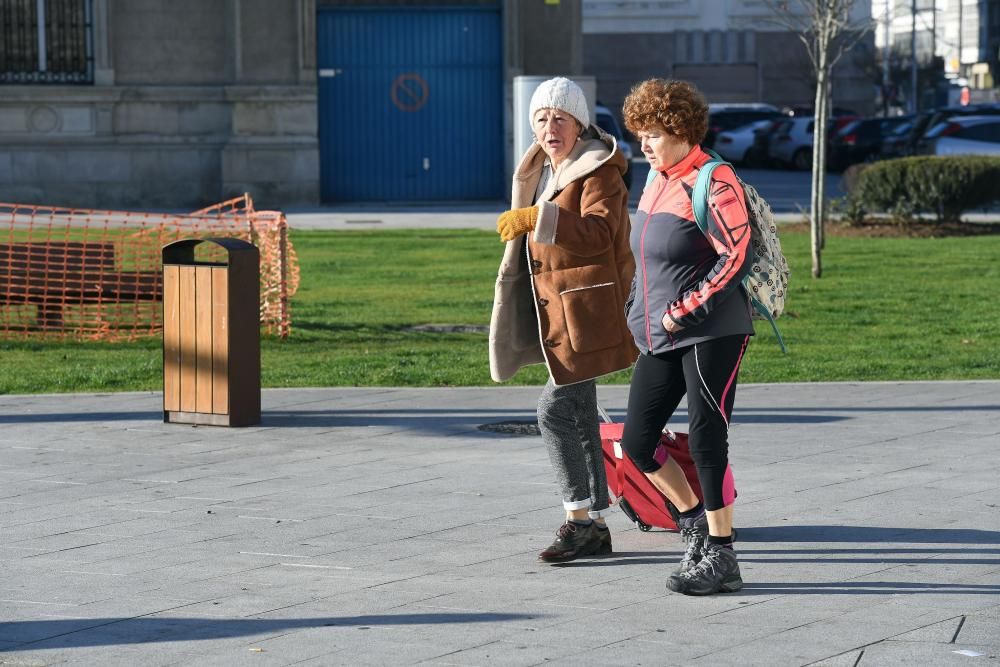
[(732, 378)]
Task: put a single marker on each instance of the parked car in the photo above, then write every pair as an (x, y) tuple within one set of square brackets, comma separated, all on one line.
[(607, 122), (791, 143), (860, 140), (722, 117), (760, 153), (940, 115), (737, 145), (963, 135), (929, 119), (895, 142)]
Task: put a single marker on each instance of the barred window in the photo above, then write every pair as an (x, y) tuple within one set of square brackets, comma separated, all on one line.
[(46, 41)]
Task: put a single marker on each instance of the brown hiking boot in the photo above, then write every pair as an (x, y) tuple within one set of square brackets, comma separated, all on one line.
[(573, 540)]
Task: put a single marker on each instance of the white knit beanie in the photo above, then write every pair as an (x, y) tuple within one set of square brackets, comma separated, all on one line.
[(561, 93)]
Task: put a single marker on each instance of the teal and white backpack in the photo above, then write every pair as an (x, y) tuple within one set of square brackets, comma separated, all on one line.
[(767, 282)]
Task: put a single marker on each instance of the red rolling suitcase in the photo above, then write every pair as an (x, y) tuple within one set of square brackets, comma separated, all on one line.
[(638, 498)]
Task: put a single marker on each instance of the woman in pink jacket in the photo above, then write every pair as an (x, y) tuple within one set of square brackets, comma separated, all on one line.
[(690, 318)]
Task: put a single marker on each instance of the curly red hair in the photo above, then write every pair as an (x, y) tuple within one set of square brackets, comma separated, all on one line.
[(674, 106)]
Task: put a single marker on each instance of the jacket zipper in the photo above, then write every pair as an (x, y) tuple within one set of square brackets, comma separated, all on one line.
[(642, 252)]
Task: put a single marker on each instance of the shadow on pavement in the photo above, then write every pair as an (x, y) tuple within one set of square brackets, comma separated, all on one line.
[(90, 416), (431, 420), (941, 554), (81, 632), (466, 420), (666, 558), (869, 535), (867, 588)]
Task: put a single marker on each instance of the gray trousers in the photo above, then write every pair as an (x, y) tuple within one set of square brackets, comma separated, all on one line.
[(568, 421)]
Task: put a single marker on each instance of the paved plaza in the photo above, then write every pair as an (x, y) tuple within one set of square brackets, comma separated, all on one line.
[(383, 526)]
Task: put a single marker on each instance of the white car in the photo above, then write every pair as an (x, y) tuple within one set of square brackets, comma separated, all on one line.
[(791, 144), (734, 144), (963, 135)]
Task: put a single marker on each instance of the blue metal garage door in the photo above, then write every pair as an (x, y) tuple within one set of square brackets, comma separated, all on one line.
[(410, 104)]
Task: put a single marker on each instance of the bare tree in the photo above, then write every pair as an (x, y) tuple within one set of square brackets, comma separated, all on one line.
[(828, 32)]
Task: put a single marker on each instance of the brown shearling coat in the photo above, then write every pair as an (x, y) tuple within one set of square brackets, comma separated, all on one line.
[(560, 294)]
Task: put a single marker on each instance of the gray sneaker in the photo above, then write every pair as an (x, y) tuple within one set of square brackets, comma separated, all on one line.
[(717, 572), (694, 536)]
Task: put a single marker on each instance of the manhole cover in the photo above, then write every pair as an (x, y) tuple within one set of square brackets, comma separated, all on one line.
[(512, 428), (452, 328)]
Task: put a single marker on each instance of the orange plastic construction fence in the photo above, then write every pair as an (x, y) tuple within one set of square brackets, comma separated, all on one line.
[(97, 275)]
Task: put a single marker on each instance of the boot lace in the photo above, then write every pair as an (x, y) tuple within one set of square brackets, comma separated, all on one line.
[(693, 537), (566, 530), (709, 567)]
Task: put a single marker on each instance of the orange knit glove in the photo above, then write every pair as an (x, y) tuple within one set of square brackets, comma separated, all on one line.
[(515, 222)]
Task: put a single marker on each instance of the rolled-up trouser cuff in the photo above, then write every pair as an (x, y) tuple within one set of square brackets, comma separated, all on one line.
[(570, 505)]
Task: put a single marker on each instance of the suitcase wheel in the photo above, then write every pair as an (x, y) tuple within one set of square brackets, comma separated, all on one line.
[(633, 517)]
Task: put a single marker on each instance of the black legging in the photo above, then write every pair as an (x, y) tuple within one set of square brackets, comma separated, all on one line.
[(706, 372)]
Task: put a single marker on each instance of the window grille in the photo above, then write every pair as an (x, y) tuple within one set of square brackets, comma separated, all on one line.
[(46, 41)]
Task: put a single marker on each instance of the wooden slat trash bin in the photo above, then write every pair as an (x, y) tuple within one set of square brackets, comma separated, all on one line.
[(211, 333)]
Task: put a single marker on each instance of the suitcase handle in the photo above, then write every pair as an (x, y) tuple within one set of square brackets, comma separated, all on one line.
[(606, 418)]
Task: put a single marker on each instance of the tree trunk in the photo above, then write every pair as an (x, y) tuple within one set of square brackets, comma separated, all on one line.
[(819, 154), (821, 25), (827, 114), (816, 192)]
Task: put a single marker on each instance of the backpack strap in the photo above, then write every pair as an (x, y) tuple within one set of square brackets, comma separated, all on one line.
[(766, 314), (699, 198)]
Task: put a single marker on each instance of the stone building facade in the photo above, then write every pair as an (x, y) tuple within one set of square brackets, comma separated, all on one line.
[(188, 102), (183, 103)]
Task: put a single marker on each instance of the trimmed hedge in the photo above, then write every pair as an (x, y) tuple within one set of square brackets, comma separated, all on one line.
[(944, 186)]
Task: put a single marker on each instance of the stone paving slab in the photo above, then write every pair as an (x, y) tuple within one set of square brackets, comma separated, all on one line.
[(382, 526)]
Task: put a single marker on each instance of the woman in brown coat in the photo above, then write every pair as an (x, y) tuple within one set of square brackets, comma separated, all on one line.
[(560, 297)]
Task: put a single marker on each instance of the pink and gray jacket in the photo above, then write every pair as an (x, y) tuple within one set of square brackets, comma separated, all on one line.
[(692, 277)]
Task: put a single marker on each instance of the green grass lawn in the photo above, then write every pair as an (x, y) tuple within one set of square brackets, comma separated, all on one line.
[(885, 309)]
